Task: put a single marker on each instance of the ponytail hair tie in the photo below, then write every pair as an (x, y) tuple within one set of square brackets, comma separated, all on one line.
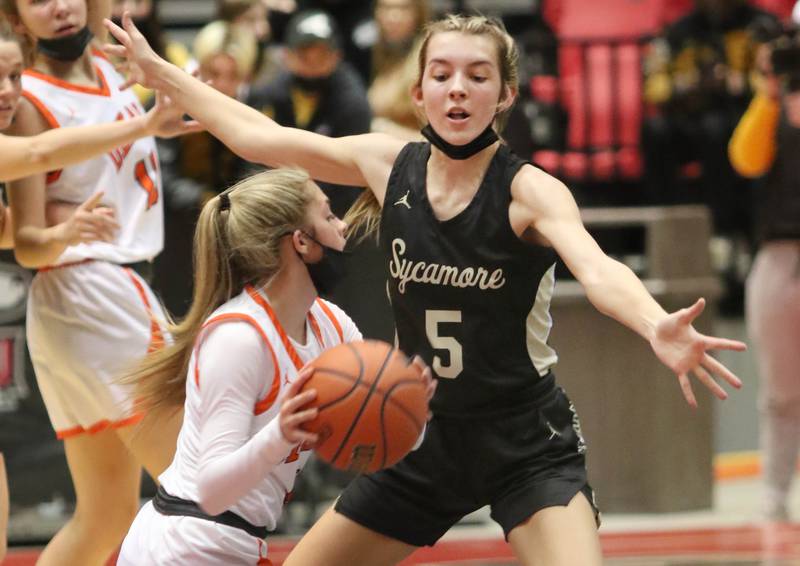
[(224, 202)]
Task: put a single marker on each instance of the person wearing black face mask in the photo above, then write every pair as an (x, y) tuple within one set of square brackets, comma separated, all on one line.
[(316, 91), (328, 271), (319, 92)]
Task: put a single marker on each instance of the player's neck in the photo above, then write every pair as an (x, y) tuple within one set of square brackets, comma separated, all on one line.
[(80, 71), (452, 171), (291, 294)]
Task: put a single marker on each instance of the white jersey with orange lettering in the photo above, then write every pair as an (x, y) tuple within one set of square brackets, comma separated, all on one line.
[(128, 175), (231, 454)]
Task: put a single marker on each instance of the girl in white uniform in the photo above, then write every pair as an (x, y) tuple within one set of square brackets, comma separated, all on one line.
[(255, 321), (90, 315)]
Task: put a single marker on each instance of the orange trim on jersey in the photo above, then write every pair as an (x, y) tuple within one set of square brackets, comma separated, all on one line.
[(265, 403), (52, 176), (295, 357), (99, 426), (102, 90), (97, 53), (156, 336), (42, 108), (327, 310), (47, 268)]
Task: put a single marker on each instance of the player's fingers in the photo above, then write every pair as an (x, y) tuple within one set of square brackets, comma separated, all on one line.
[(129, 26), (115, 51), (717, 368), (106, 211), (686, 387), (296, 402), (191, 126), (290, 403), (295, 420), (703, 376), (119, 34), (431, 389), (689, 314), (302, 377), (713, 343), (100, 222), (92, 201), (128, 84), (308, 439)]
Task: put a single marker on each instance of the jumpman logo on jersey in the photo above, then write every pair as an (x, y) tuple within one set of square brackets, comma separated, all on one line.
[(404, 200), (553, 432)]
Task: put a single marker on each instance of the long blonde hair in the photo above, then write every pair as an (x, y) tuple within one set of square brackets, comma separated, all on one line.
[(363, 218), (235, 243)]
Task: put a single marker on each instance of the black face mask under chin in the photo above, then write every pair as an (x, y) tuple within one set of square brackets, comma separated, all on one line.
[(328, 272), (68, 48), (484, 140)]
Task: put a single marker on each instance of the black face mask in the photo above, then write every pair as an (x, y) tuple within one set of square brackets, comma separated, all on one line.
[(317, 85), (484, 140), (68, 48), (328, 272)]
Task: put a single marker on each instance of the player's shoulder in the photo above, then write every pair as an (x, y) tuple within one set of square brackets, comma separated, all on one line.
[(339, 319), (29, 119), (236, 336)]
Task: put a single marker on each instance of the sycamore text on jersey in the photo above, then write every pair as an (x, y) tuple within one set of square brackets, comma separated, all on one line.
[(405, 270)]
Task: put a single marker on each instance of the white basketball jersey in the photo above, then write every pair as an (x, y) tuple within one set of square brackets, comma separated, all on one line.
[(129, 175), (328, 326)]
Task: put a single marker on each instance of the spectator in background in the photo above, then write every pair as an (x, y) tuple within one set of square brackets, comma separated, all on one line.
[(766, 145), (198, 166), (316, 91), (394, 66), (145, 14), (698, 77), (357, 32), (252, 14), (321, 93)]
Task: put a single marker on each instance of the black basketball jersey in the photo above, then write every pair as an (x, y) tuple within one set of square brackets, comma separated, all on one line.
[(468, 295)]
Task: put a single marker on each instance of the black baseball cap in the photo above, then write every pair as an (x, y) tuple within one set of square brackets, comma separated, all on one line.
[(309, 27)]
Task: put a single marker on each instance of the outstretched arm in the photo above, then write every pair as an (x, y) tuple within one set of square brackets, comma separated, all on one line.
[(363, 160), (547, 207), (35, 243), (57, 148)]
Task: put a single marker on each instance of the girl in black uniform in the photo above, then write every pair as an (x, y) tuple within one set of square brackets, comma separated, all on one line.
[(471, 235)]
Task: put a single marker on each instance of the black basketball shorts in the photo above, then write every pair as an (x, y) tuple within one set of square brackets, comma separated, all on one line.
[(517, 461)]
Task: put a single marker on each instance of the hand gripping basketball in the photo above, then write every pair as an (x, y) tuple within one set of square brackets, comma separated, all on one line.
[(372, 404)]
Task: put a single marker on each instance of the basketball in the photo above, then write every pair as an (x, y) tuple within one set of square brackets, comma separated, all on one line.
[(372, 405)]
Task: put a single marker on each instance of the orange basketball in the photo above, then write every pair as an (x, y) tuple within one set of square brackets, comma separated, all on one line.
[(372, 405)]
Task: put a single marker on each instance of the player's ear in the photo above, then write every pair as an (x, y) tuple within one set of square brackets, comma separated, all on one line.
[(301, 242)]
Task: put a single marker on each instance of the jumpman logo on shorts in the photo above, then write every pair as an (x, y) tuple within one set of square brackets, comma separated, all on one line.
[(404, 200), (553, 432)]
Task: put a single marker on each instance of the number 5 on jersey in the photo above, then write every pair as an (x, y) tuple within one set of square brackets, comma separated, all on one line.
[(432, 321)]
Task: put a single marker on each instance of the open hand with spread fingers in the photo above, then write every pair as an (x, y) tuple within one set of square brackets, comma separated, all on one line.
[(139, 61), (684, 350)]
